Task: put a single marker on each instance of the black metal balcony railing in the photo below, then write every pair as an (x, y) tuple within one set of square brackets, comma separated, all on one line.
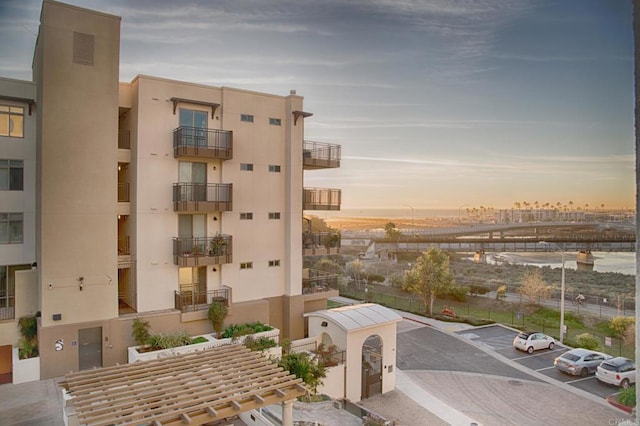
[(199, 142), (320, 155), (124, 139), (123, 192), (202, 251), (319, 281), (123, 246), (320, 239), (202, 196), (321, 199), (189, 301)]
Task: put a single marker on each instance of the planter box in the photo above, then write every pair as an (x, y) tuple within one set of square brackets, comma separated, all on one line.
[(25, 370), (133, 355)]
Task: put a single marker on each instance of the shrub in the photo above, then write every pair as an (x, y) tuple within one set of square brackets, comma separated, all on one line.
[(236, 330), (259, 344), (501, 292), (28, 343), (167, 341), (217, 313), (458, 293), (199, 339), (140, 331), (376, 278), (628, 396), (477, 289), (588, 341)]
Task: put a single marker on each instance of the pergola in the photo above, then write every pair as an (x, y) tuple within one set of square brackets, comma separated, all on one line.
[(190, 389)]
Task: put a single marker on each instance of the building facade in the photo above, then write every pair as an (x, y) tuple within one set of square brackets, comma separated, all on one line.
[(154, 197)]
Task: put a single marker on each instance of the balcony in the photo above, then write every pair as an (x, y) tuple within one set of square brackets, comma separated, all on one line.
[(123, 192), (321, 199), (202, 197), (320, 155), (315, 281), (320, 243), (123, 245), (188, 301), (202, 143), (203, 251), (124, 139)]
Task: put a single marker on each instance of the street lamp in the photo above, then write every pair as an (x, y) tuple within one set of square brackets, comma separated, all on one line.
[(412, 228), (546, 244)]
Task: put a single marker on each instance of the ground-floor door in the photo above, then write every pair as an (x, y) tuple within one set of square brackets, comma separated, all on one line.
[(90, 348), (6, 364)]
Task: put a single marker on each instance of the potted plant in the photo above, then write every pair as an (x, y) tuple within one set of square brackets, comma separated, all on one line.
[(218, 244)]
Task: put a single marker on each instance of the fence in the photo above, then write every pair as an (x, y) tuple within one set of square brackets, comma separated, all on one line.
[(516, 318)]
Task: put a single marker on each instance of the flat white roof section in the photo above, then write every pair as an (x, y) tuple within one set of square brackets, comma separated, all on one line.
[(194, 388), (356, 317)]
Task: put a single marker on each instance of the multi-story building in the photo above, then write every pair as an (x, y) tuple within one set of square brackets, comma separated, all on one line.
[(17, 208), (154, 197)]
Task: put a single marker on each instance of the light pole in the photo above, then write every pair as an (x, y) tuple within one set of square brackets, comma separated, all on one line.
[(412, 228), (546, 244)]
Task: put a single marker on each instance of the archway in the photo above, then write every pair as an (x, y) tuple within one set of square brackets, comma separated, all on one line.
[(371, 366)]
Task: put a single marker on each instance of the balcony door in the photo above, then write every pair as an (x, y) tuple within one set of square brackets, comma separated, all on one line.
[(192, 230), (193, 285), (194, 126), (195, 175)]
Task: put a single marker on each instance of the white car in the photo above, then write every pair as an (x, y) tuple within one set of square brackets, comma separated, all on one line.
[(533, 341), (618, 371)]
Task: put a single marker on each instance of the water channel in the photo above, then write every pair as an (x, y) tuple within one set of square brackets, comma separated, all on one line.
[(621, 262)]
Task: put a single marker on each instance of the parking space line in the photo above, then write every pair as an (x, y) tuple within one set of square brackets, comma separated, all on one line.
[(580, 380), (545, 368), (530, 356)]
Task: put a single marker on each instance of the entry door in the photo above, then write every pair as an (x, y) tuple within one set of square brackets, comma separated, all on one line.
[(6, 364), (90, 348)]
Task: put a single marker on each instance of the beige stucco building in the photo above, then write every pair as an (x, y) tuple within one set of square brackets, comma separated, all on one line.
[(150, 198)]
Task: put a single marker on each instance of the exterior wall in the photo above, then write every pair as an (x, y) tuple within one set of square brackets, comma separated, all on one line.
[(352, 342), (77, 147)]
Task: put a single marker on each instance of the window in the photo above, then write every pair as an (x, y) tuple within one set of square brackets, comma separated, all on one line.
[(246, 117), (11, 172), (274, 168), (8, 290), (246, 167), (11, 121), (273, 263), (246, 216), (11, 228), (274, 215), (246, 265), (275, 121)]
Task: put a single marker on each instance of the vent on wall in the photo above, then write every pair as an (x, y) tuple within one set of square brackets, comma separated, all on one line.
[(83, 48)]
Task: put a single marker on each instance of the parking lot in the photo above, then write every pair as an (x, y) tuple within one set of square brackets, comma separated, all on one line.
[(500, 339)]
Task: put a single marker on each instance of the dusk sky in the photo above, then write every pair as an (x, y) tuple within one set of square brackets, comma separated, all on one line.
[(437, 104)]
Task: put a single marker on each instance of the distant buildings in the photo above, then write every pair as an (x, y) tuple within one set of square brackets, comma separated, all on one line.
[(148, 198)]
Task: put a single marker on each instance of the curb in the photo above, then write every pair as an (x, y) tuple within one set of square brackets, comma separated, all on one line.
[(612, 400)]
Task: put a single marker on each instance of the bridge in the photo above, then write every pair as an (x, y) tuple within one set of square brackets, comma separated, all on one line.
[(517, 237)]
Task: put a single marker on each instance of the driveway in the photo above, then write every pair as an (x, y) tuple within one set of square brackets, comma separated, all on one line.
[(490, 388)]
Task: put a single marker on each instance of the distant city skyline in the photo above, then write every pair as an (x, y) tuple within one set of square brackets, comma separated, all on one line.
[(438, 104)]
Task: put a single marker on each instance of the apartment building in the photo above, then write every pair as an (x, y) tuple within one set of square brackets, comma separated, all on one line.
[(17, 210), (155, 197)]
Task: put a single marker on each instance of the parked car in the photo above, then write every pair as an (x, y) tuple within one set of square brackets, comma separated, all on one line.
[(533, 341), (618, 371), (580, 362)]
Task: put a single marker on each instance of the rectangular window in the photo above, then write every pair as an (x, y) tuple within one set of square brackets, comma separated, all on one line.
[(11, 175), (274, 215), (246, 265), (11, 121), (275, 121), (274, 168), (246, 117), (11, 225), (273, 263), (246, 167), (246, 216)]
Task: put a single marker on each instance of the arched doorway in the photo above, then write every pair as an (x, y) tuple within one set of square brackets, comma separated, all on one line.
[(371, 366)]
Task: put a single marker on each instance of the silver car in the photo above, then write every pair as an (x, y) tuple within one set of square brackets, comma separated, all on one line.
[(580, 362)]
